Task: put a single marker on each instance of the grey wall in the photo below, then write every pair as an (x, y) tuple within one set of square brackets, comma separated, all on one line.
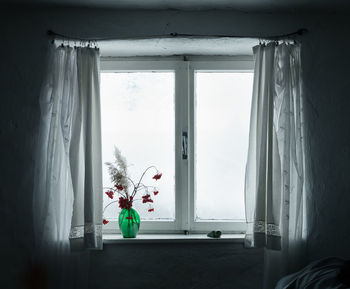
[(23, 47), (176, 266)]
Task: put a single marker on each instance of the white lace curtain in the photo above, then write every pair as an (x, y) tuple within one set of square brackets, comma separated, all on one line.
[(67, 202), (275, 175)]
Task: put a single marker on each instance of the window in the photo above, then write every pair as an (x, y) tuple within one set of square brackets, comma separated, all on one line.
[(190, 118)]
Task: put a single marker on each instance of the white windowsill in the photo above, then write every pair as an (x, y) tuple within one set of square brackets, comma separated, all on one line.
[(173, 238)]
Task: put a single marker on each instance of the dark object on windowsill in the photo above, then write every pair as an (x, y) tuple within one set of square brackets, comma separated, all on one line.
[(214, 234)]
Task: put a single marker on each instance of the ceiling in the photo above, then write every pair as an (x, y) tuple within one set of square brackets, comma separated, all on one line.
[(241, 5), (188, 46)]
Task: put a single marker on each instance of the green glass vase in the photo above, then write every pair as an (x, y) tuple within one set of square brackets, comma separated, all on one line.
[(129, 223)]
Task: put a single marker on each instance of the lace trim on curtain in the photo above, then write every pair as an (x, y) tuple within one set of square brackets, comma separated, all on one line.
[(268, 229), (80, 231)]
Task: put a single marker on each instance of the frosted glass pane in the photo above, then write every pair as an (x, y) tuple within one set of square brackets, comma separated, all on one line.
[(138, 116), (222, 126)]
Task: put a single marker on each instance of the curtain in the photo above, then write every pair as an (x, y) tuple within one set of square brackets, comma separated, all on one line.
[(275, 174), (67, 199)]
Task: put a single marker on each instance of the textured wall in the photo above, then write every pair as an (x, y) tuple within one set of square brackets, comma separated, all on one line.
[(23, 47), (326, 79), (175, 266)]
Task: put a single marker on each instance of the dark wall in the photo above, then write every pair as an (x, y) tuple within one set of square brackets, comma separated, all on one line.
[(23, 47), (175, 266), (326, 81)]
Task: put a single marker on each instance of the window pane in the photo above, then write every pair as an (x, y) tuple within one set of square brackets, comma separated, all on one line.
[(222, 127), (138, 117)]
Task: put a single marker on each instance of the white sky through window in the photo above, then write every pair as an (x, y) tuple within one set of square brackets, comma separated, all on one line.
[(138, 117), (222, 125)]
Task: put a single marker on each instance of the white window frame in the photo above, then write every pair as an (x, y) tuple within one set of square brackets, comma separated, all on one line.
[(184, 68)]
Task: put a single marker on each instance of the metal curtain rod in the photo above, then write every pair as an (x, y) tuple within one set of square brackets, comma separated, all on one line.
[(299, 32)]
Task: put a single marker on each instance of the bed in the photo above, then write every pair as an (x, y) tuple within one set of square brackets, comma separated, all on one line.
[(328, 273)]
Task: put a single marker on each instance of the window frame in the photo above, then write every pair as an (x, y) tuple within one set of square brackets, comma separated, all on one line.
[(184, 100)]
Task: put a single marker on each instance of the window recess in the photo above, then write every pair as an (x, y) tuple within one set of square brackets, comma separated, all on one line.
[(190, 118)]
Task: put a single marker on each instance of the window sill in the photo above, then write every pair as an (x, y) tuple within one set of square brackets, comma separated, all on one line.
[(173, 238)]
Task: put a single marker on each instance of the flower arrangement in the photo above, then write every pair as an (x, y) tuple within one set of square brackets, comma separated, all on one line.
[(126, 188)]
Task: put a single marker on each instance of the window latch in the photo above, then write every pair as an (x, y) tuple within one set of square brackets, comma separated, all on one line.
[(184, 145)]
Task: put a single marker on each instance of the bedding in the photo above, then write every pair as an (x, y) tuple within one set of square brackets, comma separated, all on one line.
[(329, 273)]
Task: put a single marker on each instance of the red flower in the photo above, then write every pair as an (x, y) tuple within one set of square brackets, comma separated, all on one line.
[(155, 193), (128, 218), (157, 176), (119, 187), (110, 194), (147, 199), (125, 203), (151, 210), (105, 222)]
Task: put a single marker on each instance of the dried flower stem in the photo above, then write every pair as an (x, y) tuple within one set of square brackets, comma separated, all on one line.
[(138, 184), (109, 205)]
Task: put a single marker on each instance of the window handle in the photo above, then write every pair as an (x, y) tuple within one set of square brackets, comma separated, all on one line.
[(184, 145)]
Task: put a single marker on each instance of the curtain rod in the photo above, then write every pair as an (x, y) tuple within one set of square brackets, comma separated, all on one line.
[(299, 32)]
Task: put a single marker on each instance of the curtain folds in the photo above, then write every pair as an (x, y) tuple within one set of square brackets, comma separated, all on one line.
[(67, 202), (275, 175)]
